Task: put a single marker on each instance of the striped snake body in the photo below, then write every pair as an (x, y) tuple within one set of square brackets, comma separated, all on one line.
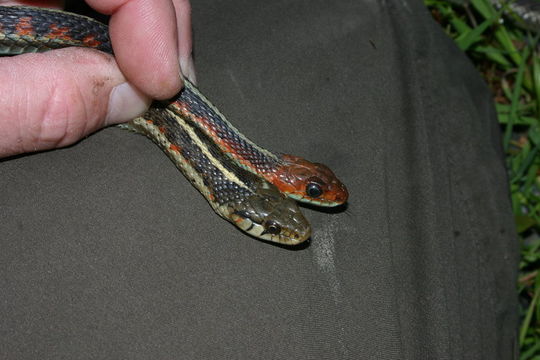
[(252, 204), (298, 178), (248, 201), (28, 29)]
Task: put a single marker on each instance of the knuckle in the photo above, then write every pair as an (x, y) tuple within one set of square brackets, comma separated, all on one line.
[(53, 99), (67, 114)]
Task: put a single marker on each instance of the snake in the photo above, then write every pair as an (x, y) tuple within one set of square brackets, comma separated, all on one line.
[(246, 199), (251, 203), (29, 29), (295, 176)]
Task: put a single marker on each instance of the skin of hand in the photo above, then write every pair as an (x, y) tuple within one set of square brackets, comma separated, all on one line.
[(54, 99)]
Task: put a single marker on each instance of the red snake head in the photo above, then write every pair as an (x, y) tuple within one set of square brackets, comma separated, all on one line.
[(310, 182)]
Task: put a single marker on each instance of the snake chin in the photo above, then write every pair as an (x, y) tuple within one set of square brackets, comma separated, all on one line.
[(270, 216)]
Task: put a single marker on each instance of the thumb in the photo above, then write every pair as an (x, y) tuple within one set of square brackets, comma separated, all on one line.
[(54, 99)]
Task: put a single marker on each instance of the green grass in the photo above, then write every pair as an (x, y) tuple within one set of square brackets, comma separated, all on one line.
[(509, 60)]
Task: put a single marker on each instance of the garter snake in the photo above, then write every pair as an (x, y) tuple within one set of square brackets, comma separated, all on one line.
[(29, 29), (249, 202), (299, 178)]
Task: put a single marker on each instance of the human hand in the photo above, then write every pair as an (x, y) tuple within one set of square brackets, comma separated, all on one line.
[(53, 99)]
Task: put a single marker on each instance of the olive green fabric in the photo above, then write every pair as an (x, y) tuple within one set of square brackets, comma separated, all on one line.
[(109, 253)]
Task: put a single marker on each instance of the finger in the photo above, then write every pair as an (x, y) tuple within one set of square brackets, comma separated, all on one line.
[(44, 108), (145, 43), (183, 22)]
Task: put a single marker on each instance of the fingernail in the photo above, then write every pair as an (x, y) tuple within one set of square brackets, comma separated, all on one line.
[(188, 69), (125, 103)]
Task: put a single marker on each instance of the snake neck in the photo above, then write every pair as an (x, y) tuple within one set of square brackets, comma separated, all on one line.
[(219, 182), (194, 107), (292, 175)]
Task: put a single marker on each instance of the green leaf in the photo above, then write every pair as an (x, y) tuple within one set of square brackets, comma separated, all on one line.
[(536, 80), (466, 39), (460, 25), (485, 8), (534, 133), (520, 120), (530, 312), (494, 54), (530, 352), (524, 223), (515, 99)]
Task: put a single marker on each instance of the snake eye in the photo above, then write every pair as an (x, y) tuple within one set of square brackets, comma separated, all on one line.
[(272, 228), (313, 190)]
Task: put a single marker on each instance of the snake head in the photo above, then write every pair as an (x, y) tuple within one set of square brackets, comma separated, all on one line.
[(269, 215), (309, 182)]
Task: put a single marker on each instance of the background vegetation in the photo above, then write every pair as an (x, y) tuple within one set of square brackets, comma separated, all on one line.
[(508, 57)]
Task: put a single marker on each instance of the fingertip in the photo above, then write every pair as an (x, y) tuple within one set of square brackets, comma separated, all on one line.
[(185, 39), (188, 69), (144, 39)]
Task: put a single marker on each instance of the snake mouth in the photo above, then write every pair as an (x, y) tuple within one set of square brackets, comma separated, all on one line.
[(271, 231), (316, 202)]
